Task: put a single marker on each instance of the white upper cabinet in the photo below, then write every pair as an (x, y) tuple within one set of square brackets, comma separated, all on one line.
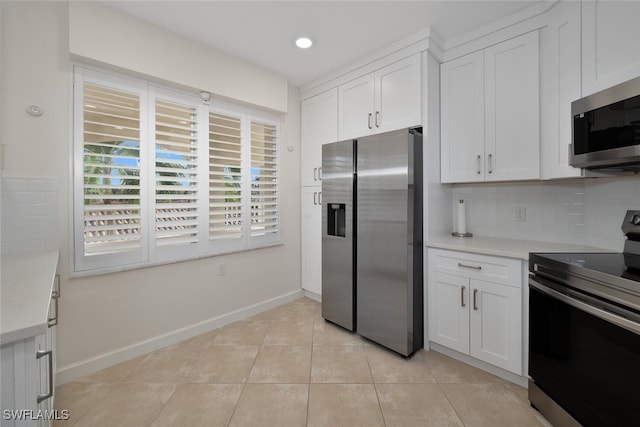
[(356, 103), (387, 99), (462, 118), (490, 113), (398, 95), (512, 109), (610, 43), (319, 125), (560, 86)]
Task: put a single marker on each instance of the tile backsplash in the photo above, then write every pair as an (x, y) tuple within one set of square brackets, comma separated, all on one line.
[(29, 215), (582, 211)]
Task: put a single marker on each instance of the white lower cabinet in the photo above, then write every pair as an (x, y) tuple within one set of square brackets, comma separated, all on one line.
[(312, 239), (28, 367), (475, 306)]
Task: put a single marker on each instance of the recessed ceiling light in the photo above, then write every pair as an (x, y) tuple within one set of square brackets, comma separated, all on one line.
[(304, 42)]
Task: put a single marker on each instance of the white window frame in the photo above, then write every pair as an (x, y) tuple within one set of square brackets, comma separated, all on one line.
[(150, 254)]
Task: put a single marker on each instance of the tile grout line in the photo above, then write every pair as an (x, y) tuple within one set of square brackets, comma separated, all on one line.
[(375, 385), (244, 383), (175, 389), (313, 336), (444, 393)]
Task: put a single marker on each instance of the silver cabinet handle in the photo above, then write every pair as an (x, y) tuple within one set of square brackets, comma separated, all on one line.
[(315, 195), (40, 354), (462, 296), (53, 321), (320, 173), (475, 299), (56, 291), (369, 121), (55, 296), (377, 119), (315, 174), (320, 198), (490, 163), (478, 162), (473, 267)]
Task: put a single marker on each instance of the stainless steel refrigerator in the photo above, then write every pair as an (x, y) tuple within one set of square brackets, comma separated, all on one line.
[(372, 238)]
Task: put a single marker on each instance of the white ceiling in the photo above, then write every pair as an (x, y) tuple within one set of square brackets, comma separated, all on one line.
[(262, 32)]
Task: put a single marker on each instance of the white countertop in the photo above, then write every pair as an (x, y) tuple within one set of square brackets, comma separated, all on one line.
[(25, 292), (509, 248)]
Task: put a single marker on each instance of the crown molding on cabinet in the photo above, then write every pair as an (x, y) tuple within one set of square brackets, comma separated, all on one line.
[(522, 22), (427, 39)]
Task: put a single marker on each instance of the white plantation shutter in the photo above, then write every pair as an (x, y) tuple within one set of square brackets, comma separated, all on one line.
[(176, 173), (111, 170), (264, 180), (226, 215), (159, 177)]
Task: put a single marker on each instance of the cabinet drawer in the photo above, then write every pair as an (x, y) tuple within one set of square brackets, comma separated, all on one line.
[(505, 271)]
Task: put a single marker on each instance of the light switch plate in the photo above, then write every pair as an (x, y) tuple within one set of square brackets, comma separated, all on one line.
[(520, 214)]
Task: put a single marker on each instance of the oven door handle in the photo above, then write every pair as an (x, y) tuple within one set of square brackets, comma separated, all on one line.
[(602, 314)]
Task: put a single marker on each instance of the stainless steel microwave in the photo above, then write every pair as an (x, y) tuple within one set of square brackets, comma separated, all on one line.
[(606, 129)]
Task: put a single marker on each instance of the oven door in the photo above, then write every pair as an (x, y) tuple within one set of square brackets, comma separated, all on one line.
[(584, 354)]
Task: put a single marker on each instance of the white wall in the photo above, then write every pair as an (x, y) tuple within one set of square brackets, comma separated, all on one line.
[(111, 317), (95, 29), (582, 211)]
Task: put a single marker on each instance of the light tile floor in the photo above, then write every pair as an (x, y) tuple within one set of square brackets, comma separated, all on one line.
[(288, 367)]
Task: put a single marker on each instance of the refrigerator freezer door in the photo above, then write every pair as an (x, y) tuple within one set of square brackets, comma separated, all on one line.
[(338, 293), (389, 240)]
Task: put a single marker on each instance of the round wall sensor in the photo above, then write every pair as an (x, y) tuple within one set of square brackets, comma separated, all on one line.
[(34, 110)]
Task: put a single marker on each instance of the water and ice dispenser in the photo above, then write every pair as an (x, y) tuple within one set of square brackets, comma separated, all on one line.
[(336, 225)]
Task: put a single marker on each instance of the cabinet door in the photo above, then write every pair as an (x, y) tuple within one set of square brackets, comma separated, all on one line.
[(398, 95), (312, 239), (496, 325), (462, 119), (561, 85), (448, 301), (319, 125), (355, 108), (512, 108), (611, 52)]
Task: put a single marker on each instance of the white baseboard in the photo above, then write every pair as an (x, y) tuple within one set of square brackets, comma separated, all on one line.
[(76, 370), (312, 295), (464, 358)]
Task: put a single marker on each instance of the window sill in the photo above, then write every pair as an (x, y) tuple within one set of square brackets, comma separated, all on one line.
[(121, 269)]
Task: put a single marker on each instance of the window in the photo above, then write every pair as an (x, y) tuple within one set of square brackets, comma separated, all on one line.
[(161, 177)]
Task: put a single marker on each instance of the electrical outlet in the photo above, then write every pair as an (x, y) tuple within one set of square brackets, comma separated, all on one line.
[(222, 269), (520, 214)]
